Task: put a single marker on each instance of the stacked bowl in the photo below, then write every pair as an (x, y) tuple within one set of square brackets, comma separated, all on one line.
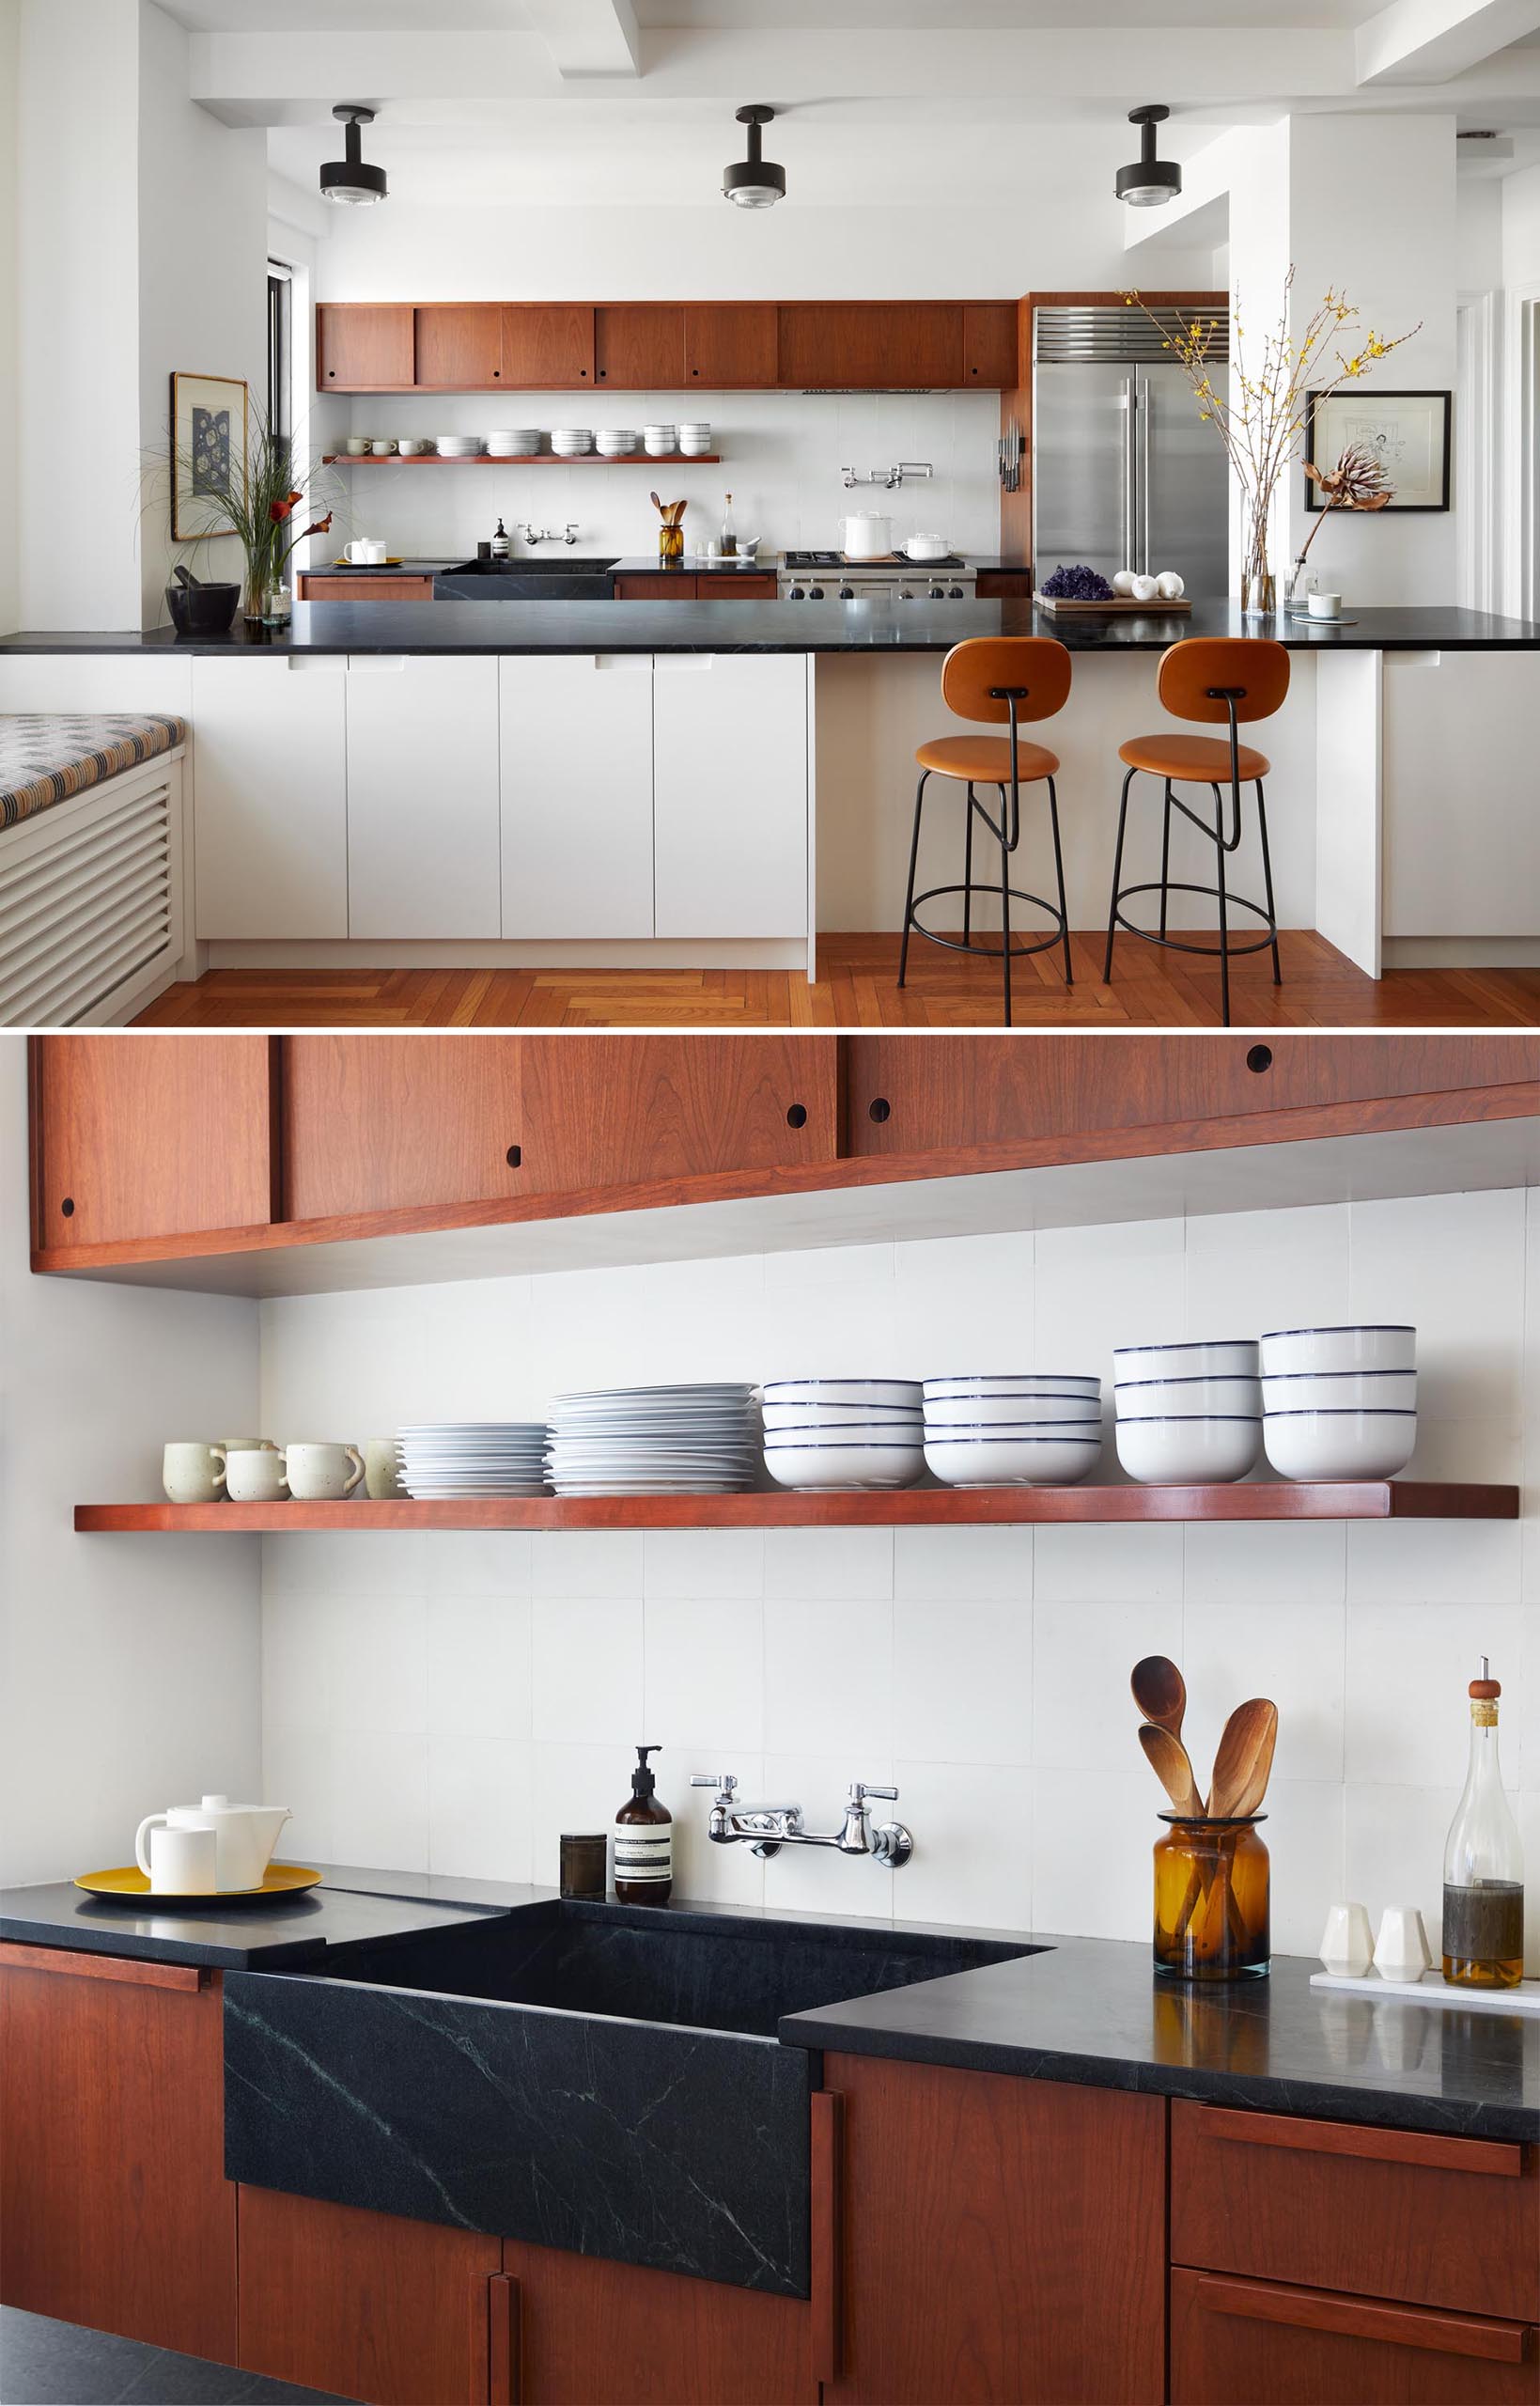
[(513, 442), (571, 442), (456, 447), (617, 441), (1005, 1429), (1188, 1415), (661, 441), (696, 437), (844, 1432), (1339, 1403)]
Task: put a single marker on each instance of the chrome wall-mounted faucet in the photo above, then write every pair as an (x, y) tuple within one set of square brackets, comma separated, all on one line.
[(767, 1828), (889, 478), (546, 533)]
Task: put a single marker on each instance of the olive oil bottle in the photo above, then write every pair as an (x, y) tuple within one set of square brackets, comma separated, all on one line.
[(1483, 1864)]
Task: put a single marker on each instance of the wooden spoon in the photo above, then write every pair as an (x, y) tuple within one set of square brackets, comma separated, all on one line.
[(656, 502), (1160, 1692), (1244, 1759), (1167, 1757)]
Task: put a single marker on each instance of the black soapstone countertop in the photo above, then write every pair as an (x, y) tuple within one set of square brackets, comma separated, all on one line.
[(1089, 2011), (735, 626)]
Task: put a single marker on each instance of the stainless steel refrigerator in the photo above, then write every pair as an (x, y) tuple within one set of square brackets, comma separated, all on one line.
[(1125, 472)]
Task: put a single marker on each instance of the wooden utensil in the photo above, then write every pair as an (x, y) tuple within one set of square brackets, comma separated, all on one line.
[(1167, 1757), (1160, 1692), (1244, 1759), (656, 502)]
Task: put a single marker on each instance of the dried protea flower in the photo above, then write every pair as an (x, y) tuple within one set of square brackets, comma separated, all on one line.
[(1358, 480)]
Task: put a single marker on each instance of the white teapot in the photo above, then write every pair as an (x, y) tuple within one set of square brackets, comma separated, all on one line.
[(244, 1837)]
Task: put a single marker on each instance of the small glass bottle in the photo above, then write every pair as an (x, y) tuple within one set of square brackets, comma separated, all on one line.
[(501, 545), (729, 532), (644, 1840), (1483, 1864)]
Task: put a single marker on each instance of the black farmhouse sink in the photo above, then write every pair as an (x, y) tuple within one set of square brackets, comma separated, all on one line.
[(565, 578), (605, 2078)]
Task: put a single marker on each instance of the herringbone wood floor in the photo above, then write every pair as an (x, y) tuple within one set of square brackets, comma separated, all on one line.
[(856, 989)]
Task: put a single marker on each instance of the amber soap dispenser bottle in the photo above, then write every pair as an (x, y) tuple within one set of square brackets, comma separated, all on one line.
[(644, 1840)]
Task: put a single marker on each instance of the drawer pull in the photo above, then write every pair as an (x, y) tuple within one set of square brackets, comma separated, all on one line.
[(137, 1972), (1360, 2318), (828, 2109), (1428, 2148)]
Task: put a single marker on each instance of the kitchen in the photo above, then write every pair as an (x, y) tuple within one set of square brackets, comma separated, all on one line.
[(548, 2063), (954, 374)]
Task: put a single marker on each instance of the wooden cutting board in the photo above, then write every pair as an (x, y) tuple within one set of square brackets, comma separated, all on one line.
[(1119, 605)]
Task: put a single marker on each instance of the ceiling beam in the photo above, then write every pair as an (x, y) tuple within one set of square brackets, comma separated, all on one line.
[(588, 36), (1428, 41)]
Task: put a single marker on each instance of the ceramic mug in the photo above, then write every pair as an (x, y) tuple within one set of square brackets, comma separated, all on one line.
[(192, 1473), (254, 1475), (320, 1471), (248, 1444), (177, 1862), (360, 551), (1325, 605), (380, 1476)]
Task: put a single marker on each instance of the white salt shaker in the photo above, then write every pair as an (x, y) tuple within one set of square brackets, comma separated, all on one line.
[(1346, 1943), (1401, 1950)]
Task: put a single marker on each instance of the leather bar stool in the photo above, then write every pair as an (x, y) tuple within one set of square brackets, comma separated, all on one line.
[(1223, 680), (998, 681)]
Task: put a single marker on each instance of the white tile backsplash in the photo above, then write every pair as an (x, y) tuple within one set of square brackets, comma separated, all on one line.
[(460, 1701)]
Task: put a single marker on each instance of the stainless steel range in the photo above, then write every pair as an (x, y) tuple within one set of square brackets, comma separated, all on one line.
[(829, 576)]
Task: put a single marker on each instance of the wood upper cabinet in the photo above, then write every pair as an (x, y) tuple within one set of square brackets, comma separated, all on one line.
[(548, 346), (989, 344), (397, 1122), (460, 346), (149, 1136), (886, 345), (113, 2206), (639, 344), (1083, 1099), (370, 2305), (364, 347), (1257, 2343), (595, 2334), (733, 344), (1003, 2240)]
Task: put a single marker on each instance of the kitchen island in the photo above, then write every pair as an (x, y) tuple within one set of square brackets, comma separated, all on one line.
[(708, 783)]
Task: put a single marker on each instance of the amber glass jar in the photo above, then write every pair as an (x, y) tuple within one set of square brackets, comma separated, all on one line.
[(1211, 1879), (670, 543)]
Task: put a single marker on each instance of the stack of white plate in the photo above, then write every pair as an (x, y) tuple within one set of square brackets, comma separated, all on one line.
[(457, 446), (442, 1460), (696, 437), (661, 439), (1005, 1429), (617, 441), (701, 1438), (1188, 1415), (571, 442), (1339, 1402), (844, 1432), (513, 442)]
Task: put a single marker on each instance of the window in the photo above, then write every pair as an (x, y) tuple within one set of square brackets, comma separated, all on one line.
[(280, 380)]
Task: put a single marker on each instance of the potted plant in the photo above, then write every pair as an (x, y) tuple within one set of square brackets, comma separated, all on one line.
[(260, 505)]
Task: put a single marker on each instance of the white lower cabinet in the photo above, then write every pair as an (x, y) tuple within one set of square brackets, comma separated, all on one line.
[(577, 795), (271, 787), (422, 835), (730, 794)]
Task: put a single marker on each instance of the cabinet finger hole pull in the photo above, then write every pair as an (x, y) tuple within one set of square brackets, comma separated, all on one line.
[(68, 1206), (879, 1108), (797, 1115), (515, 1156), (1259, 1058)]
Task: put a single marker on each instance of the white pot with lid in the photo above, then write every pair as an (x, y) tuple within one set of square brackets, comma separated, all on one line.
[(927, 547), (868, 534)]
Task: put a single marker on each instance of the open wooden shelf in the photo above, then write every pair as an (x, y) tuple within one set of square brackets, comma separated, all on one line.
[(517, 459), (1380, 1499)]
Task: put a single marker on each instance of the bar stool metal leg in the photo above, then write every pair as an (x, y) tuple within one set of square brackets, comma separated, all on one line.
[(1059, 872), (1117, 876), (913, 862), (1267, 881), (1005, 846), (1165, 857), (1224, 926), (967, 870)]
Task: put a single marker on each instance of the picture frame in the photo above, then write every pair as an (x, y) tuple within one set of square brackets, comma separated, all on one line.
[(1409, 431), (209, 428)]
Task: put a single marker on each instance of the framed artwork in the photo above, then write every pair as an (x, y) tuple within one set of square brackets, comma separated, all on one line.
[(208, 450), (1408, 431)]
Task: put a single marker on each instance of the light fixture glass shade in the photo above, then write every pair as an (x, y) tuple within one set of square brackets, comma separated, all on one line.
[(760, 196)]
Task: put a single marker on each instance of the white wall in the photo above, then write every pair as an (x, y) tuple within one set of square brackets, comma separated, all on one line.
[(10, 32), (1521, 226), (455, 1703), (130, 1672)]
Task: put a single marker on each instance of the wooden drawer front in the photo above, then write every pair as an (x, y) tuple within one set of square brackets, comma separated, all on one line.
[(736, 585), (662, 585), (1004, 585), (1441, 2221), (365, 588), (1256, 2343)]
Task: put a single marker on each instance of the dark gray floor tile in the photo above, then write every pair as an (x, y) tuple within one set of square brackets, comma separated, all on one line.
[(44, 2363)]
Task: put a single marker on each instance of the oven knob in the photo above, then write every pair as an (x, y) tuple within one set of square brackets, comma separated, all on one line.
[(904, 594), (936, 594), (814, 593), (796, 594), (956, 594), (847, 593)]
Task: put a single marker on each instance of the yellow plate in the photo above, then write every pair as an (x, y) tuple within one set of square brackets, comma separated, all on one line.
[(282, 1879)]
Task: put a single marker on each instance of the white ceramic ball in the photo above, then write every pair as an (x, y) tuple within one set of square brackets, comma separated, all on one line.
[(1169, 585), (1144, 588), (1124, 581)]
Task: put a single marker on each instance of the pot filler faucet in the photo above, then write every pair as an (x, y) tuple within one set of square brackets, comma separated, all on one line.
[(767, 1828), (546, 533), (889, 479)]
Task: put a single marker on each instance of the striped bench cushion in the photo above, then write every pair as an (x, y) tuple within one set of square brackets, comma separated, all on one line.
[(45, 757)]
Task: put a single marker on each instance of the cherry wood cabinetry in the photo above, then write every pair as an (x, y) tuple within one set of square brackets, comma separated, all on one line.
[(639, 344), (590, 2333), (1257, 2343), (1003, 584), (888, 345), (731, 344), (364, 347), (548, 345), (149, 1138), (370, 2305), (989, 343), (113, 2206), (460, 346), (669, 585), (1003, 2240), (314, 588)]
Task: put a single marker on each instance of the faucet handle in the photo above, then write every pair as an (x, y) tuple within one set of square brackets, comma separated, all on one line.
[(860, 1789), (725, 1781)]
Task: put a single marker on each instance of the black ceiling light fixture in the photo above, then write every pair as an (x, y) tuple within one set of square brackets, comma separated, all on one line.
[(350, 180), (1150, 182), (754, 183)]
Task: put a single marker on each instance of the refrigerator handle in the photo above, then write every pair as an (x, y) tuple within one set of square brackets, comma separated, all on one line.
[(1131, 472), (1146, 406)]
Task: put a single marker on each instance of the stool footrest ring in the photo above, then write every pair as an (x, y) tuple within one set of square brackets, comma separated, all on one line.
[(1211, 893), (989, 951)]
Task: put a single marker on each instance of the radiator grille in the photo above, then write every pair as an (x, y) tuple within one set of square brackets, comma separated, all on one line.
[(86, 913), (1098, 331)]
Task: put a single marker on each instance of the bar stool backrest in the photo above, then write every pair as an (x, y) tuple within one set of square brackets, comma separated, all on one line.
[(1251, 667), (1034, 666)]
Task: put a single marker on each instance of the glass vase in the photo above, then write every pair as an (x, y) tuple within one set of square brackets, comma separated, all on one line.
[(1211, 1899), (670, 545), (1258, 589)]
